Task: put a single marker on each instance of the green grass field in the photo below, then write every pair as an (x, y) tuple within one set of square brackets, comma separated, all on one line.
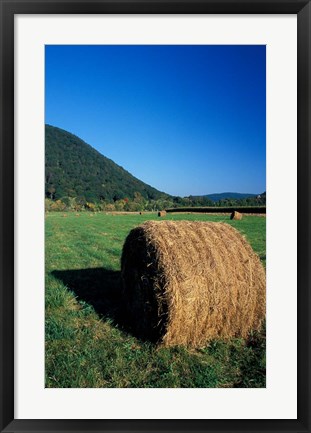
[(87, 343)]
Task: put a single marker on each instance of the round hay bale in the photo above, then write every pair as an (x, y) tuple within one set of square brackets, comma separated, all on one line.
[(186, 283), (162, 213), (236, 215)]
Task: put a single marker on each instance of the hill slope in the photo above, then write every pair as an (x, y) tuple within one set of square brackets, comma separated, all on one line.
[(75, 169)]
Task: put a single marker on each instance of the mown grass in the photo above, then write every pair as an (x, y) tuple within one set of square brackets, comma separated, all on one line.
[(87, 343)]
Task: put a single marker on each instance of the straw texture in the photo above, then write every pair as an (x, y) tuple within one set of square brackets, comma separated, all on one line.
[(186, 283)]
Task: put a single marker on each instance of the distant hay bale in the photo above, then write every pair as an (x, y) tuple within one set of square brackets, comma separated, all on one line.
[(236, 215), (186, 283), (162, 213)]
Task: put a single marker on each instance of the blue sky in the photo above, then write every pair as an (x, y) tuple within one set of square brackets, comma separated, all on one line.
[(184, 119)]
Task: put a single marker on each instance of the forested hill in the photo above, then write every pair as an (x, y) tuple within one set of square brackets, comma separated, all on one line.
[(75, 169)]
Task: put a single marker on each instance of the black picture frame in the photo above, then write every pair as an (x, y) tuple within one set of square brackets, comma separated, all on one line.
[(8, 10)]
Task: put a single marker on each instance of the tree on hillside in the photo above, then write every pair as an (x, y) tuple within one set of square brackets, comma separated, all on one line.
[(51, 191)]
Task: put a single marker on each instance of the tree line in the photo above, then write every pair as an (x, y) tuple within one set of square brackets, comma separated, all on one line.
[(141, 204)]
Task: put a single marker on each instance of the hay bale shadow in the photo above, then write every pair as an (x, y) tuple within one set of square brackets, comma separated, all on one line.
[(102, 289)]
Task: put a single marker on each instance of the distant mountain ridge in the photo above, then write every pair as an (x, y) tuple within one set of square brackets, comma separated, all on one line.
[(229, 195), (73, 168)]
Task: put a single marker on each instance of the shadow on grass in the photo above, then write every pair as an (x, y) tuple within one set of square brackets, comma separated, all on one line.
[(101, 288)]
